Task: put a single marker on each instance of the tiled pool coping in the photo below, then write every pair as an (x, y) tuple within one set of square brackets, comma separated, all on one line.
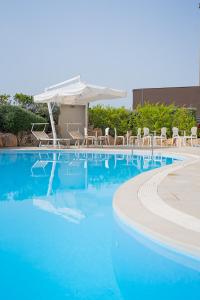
[(138, 204)]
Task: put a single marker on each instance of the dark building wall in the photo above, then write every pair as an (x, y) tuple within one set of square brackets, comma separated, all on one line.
[(181, 96)]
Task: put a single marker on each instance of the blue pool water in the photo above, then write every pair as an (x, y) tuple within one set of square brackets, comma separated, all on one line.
[(59, 238)]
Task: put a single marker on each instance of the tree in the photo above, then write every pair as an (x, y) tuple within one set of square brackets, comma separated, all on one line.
[(4, 99), (25, 101), (41, 109)]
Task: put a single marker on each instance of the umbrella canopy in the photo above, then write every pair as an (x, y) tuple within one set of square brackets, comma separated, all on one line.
[(76, 92)]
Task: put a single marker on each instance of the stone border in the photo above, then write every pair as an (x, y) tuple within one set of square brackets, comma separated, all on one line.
[(148, 195), (143, 189)]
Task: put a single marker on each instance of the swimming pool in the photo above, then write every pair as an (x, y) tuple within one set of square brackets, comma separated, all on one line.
[(60, 240)]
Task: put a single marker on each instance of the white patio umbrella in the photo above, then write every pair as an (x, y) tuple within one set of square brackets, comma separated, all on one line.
[(75, 92)]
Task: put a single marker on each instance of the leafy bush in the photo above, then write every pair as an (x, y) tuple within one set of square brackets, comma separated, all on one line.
[(15, 119), (153, 116), (4, 99), (102, 117), (156, 116), (25, 101), (184, 119), (41, 109)]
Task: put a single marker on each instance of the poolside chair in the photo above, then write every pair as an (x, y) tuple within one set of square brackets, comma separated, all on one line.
[(43, 138), (192, 136), (163, 136), (146, 136), (87, 137), (104, 138), (176, 139), (120, 137), (135, 138)]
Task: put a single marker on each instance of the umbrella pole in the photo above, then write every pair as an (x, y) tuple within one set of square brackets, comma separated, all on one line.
[(86, 116), (52, 123)]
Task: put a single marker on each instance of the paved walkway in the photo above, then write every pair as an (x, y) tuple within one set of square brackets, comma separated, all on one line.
[(181, 190), (165, 203)]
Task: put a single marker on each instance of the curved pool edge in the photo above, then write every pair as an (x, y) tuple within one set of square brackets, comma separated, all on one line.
[(139, 206)]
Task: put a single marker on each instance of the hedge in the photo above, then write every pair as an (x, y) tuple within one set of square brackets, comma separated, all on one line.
[(102, 117), (153, 116), (15, 119), (156, 116)]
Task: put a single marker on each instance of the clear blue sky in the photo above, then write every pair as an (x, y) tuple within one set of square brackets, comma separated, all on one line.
[(123, 44)]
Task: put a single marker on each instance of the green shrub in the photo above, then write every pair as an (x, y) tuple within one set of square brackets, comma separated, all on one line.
[(184, 119), (41, 109), (153, 116), (25, 101), (102, 117), (4, 99), (15, 119)]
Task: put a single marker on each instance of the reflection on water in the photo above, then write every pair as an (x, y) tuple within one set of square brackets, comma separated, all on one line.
[(58, 238), (54, 180), (45, 173)]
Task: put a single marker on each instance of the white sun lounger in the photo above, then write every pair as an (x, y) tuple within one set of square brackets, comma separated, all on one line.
[(73, 131), (42, 136), (76, 136)]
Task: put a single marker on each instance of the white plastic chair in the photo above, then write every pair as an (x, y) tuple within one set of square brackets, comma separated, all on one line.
[(121, 137), (163, 135), (146, 136), (88, 137), (192, 136), (176, 137), (104, 138), (136, 138)]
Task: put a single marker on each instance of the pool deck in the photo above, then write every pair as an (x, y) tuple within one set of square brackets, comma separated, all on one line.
[(164, 203)]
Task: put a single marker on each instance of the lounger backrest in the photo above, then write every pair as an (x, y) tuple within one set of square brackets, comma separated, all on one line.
[(40, 135), (194, 131), (76, 135), (175, 131), (146, 131)]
